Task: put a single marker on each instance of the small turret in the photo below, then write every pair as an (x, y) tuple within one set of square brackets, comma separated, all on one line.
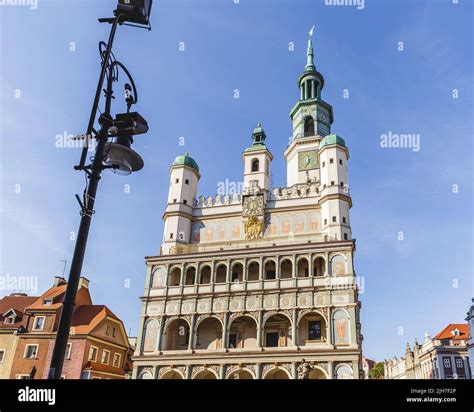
[(184, 177), (257, 159)]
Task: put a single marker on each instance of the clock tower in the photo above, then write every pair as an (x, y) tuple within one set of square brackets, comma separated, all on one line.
[(312, 118)]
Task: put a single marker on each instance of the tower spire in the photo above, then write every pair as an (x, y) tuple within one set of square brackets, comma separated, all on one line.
[(309, 54)]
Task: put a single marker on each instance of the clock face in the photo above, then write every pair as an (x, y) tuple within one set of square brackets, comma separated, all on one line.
[(323, 117), (308, 160), (253, 205)]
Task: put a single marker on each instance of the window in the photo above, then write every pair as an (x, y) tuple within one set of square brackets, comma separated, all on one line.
[(171, 235), (340, 161), (38, 323), (2, 355), (459, 363), (47, 301), (186, 181), (232, 340), (235, 276), (342, 184), (325, 222), (106, 329), (105, 356), (117, 359), (308, 126), (113, 332), (331, 160), (314, 330), (333, 182), (31, 351), (343, 220), (255, 165), (271, 274), (93, 353), (324, 186), (447, 363), (177, 181), (334, 219), (324, 164), (345, 236), (175, 200), (272, 339), (185, 201), (10, 319), (68, 351)]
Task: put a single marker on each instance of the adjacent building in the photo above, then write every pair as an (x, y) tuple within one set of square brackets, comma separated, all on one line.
[(443, 357), (258, 284), (98, 346), (12, 311)]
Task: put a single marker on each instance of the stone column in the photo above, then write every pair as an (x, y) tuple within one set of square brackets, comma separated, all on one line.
[(160, 334), (294, 371), (330, 327), (313, 89), (225, 332), (331, 370), (301, 92), (189, 369), (222, 372), (191, 333), (258, 371), (294, 329), (259, 329)]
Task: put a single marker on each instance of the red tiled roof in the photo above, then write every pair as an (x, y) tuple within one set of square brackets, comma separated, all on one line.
[(446, 332), (87, 317), (52, 293), (18, 304)]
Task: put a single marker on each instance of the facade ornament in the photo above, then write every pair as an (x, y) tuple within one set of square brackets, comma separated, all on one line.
[(304, 370), (226, 199), (235, 197), (253, 228)]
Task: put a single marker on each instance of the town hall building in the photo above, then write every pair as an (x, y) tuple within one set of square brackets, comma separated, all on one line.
[(260, 284)]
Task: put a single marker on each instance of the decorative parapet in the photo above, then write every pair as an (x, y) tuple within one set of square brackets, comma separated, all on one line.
[(296, 191), (218, 200)]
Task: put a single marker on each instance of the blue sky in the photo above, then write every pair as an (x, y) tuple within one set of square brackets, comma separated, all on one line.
[(409, 283)]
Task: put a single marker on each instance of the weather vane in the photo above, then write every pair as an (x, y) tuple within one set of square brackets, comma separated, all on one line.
[(311, 31)]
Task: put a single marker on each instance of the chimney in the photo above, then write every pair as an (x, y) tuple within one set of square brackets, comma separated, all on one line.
[(83, 282), (58, 280)]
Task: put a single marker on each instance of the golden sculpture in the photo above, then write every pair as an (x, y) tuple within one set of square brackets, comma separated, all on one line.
[(253, 228)]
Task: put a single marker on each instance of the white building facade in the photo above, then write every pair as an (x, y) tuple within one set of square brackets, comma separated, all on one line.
[(258, 285)]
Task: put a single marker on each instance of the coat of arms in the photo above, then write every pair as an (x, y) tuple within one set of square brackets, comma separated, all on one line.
[(253, 228)]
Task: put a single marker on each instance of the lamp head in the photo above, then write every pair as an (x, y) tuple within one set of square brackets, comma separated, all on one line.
[(135, 11), (120, 155)]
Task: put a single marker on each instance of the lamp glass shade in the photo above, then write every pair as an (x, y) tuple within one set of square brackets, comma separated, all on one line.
[(123, 158)]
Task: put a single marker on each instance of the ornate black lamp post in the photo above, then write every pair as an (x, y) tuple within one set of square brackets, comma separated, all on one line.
[(113, 152)]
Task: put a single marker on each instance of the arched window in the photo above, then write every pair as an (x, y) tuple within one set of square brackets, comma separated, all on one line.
[(308, 126), (338, 265), (255, 165), (151, 335), (341, 327)]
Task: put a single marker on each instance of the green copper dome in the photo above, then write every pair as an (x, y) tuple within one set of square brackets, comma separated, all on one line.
[(187, 161), (332, 139)]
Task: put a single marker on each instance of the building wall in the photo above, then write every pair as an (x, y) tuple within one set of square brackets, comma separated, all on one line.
[(8, 343)]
